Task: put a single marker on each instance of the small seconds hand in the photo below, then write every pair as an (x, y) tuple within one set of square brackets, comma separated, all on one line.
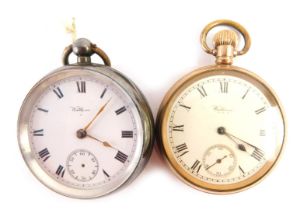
[(218, 161)]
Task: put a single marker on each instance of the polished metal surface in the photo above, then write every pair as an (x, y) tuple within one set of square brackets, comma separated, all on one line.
[(143, 150), (84, 49)]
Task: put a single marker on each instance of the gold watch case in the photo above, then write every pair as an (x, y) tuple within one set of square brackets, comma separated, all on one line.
[(223, 67)]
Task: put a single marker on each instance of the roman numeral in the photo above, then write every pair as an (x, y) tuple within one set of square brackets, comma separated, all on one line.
[(121, 157), (43, 110), (245, 93), (58, 92), (44, 154), (224, 87), (197, 165), (105, 173), (126, 134), (120, 110), (178, 128), (262, 133), (202, 91), (60, 171), (103, 93), (81, 86), (38, 132), (241, 169), (186, 107), (259, 111), (182, 148), (257, 154)]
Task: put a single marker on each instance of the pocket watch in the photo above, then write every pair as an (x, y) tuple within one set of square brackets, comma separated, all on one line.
[(85, 129), (221, 128)]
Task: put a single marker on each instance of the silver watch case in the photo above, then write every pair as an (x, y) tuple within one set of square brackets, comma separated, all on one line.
[(141, 156)]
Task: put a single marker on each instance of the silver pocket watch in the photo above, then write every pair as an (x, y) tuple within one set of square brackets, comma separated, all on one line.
[(85, 129)]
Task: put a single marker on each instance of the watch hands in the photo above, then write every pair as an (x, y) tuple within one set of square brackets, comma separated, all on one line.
[(97, 114), (236, 140), (104, 143), (81, 134), (218, 161), (222, 131), (243, 141)]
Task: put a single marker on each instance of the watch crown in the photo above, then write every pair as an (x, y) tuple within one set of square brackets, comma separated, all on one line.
[(225, 43), (225, 37)]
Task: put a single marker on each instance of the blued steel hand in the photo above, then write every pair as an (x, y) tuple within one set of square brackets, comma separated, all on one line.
[(257, 152), (232, 136), (222, 131)]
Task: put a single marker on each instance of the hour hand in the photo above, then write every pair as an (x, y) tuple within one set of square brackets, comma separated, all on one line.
[(81, 134), (104, 143), (256, 153)]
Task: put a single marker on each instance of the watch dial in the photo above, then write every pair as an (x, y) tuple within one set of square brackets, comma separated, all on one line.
[(223, 129), (84, 131)]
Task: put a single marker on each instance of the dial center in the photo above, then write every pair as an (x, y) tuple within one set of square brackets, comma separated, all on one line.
[(81, 133), (221, 130)]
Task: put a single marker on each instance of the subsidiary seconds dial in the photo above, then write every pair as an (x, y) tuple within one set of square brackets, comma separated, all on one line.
[(82, 165), (219, 160)]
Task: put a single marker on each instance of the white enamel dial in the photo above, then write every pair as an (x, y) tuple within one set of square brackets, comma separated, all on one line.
[(84, 131), (223, 129)]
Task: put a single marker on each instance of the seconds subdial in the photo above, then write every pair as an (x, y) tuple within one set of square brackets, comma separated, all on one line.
[(219, 160), (82, 165)]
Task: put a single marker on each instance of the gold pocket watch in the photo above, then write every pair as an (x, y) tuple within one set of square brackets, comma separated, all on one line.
[(85, 129), (221, 128)]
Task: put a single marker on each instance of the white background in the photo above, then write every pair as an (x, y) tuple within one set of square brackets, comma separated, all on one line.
[(154, 43)]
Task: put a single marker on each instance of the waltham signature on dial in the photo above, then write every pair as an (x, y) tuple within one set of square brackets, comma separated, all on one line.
[(221, 109), (79, 109)]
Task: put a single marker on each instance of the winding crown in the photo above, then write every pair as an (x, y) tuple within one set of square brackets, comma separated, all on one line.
[(225, 37)]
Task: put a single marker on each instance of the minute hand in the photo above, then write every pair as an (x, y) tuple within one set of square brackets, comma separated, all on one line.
[(241, 140), (96, 115)]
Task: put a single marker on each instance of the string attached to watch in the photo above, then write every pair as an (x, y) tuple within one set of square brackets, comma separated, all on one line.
[(70, 28)]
